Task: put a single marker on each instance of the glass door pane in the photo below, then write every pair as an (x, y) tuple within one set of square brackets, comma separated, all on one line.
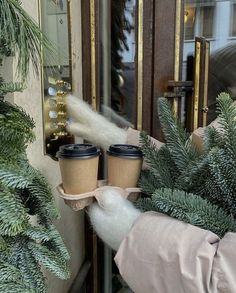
[(118, 66), (216, 21)]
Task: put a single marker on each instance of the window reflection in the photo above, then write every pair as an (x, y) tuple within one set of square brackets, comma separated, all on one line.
[(199, 20), (122, 62), (189, 22), (233, 20), (216, 21)]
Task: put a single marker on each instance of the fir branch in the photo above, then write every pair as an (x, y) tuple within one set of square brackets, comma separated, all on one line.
[(10, 204), (223, 170), (49, 260), (31, 271), (56, 243), (9, 273), (50, 237), (12, 287), (148, 182), (212, 138), (11, 87), (16, 174), (37, 233), (23, 189), (191, 209), (177, 141), (210, 175), (20, 36), (15, 126), (227, 114), (43, 200), (160, 163)]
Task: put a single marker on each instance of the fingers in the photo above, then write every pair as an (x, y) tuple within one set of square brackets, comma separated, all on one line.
[(78, 129), (114, 218), (79, 110), (105, 226), (111, 200)]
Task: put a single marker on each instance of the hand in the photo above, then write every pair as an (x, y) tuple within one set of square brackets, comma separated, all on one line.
[(113, 219), (92, 126)]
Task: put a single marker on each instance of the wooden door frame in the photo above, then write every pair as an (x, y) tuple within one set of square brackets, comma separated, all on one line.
[(168, 46)]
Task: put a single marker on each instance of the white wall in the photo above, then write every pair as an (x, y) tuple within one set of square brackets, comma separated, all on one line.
[(71, 224)]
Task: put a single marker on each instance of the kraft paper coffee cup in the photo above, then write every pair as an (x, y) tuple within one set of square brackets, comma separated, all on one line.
[(124, 165), (79, 167)]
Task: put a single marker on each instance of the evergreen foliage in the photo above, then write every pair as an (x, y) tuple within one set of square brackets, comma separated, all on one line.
[(198, 188), (26, 244), (25, 192), (191, 209), (20, 36)]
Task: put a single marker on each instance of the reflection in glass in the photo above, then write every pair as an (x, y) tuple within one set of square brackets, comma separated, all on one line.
[(56, 74), (122, 62), (216, 21)]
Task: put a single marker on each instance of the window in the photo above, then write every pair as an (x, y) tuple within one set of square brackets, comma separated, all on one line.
[(199, 20), (233, 20), (189, 23), (207, 15)]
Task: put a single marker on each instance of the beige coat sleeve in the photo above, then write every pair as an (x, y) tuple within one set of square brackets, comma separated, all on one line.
[(133, 138), (164, 255)]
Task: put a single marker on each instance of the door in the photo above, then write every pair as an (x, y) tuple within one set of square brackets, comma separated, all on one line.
[(216, 22), (181, 49), (117, 55)]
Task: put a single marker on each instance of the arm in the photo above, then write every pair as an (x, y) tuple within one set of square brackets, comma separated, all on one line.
[(161, 254), (91, 126), (95, 128)]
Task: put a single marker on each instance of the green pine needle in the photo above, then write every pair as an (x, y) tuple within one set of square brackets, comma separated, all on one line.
[(208, 179), (191, 209), (20, 36), (50, 260)]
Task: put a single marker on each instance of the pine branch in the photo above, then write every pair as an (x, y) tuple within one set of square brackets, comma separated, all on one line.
[(49, 260), (10, 204), (12, 287), (15, 124), (227, 114), (31, 272), (43, 200), (148, 182), (37, 233), (56, 243), (212, 138), (191, 209), (12, 176), (11, 87), (20, 36), (160, 163), (177, 141), (23, 190), (9, 273), (50, 238), (223, 170)]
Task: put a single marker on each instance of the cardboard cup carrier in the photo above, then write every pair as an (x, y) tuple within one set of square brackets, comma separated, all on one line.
[(124, 165), (79, 167)]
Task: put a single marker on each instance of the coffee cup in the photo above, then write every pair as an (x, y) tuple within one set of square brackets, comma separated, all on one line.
[(124, 165), (79, 167)]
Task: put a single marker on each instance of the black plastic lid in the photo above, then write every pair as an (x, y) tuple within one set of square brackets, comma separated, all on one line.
[(125, 150), (78, 151)]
